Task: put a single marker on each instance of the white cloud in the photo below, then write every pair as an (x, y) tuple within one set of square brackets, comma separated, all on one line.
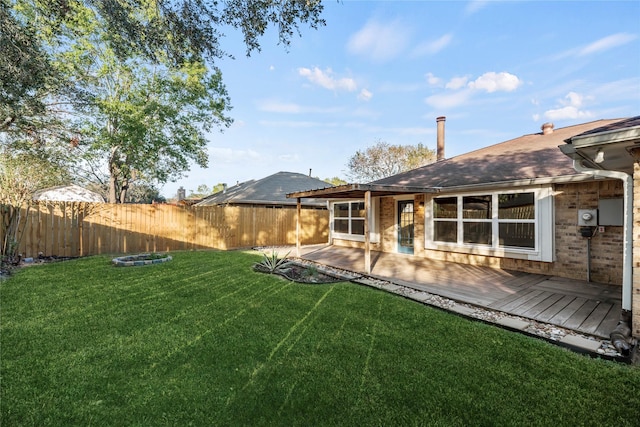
[(279, 107), (365, 95), (275, 106), (494, 82), (573, 99), (297, 124), (571, 108), (326, 80), (433, 46), (448, 100), (597, 46), (289, 157), (607, 43), (272, 67), (474, 6), (433, 80), (457, 83), (626, 89), (461, 90), (415, 131), (568, 112), (230, 155), (380, 42)]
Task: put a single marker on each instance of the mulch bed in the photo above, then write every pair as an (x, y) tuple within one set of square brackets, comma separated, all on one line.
[(8, 267), (301, 274)]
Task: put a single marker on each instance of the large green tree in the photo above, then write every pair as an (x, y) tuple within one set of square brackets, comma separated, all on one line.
[(30, 87), (158, 30), (383, 159), (139, 76)]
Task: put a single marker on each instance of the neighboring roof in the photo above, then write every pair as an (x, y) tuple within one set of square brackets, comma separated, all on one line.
[(271, 190), (533, 158), (68, 193)]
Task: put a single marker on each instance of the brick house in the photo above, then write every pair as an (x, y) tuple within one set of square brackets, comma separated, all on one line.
[(520, 205)]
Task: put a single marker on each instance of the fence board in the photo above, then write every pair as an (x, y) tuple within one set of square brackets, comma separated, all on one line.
[(81, 229)]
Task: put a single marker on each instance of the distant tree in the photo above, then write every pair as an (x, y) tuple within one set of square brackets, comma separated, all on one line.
[(383, 159), (203, 190), (22, 173), (335, 181), (144, 193), (218, 187)]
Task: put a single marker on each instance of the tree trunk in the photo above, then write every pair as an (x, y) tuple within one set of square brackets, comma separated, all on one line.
[(123, 190), (112, 189), (114, 172)]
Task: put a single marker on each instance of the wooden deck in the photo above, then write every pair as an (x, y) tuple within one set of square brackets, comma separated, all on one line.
[(589, 308)]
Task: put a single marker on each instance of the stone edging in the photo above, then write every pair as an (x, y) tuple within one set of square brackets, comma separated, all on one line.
[(135, 260)]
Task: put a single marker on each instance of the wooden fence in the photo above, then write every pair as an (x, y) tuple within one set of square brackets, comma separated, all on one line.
[(81, 229)]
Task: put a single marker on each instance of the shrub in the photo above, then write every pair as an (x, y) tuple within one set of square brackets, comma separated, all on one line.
[(271, 263)]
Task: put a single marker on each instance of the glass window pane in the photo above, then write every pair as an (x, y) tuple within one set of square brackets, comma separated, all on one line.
[(357, 210), (445, 207), (341, 225), (516, 206), (357, 227), (517, 235), (341, 210), (476, 207), (477, 232), (445, 231)]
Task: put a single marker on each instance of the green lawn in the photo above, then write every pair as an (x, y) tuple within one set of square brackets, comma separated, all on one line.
[(203, 340)]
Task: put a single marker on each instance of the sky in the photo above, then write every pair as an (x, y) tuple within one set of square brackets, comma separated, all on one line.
[(384, 70)]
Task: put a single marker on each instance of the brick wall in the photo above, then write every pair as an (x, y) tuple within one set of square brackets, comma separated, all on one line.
[(388, 235), (570, 246)]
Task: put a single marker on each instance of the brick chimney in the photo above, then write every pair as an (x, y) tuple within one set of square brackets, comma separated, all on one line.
[(440, 139), (182, 193), (547, 128)]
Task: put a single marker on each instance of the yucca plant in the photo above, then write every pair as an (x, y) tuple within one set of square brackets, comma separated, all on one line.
[(271, 263)]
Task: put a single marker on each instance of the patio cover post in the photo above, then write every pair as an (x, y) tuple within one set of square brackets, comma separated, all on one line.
[(367, 238), (298, 215)]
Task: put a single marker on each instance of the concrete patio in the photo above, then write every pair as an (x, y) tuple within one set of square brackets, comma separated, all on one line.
[(588, 308)]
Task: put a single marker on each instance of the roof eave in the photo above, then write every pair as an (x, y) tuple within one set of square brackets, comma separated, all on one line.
[(527, 182), (349, 191), (358, 191), (604, 138)]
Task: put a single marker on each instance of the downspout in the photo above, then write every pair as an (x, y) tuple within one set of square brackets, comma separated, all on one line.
[(627, 246)]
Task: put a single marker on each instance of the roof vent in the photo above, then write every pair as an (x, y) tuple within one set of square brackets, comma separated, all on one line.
[(547, 128)]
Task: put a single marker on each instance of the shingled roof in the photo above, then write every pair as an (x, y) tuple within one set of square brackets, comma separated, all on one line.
[(271, 190), (529, 157), (68, 193)]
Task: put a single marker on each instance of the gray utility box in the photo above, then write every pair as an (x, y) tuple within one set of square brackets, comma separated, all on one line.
[(587, 217), (610, 212)]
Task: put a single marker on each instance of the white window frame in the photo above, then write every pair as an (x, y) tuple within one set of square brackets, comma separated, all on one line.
[(543, 249), (373, 226)]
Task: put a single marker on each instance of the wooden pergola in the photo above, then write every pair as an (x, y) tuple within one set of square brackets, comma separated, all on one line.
[(354, 191)]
